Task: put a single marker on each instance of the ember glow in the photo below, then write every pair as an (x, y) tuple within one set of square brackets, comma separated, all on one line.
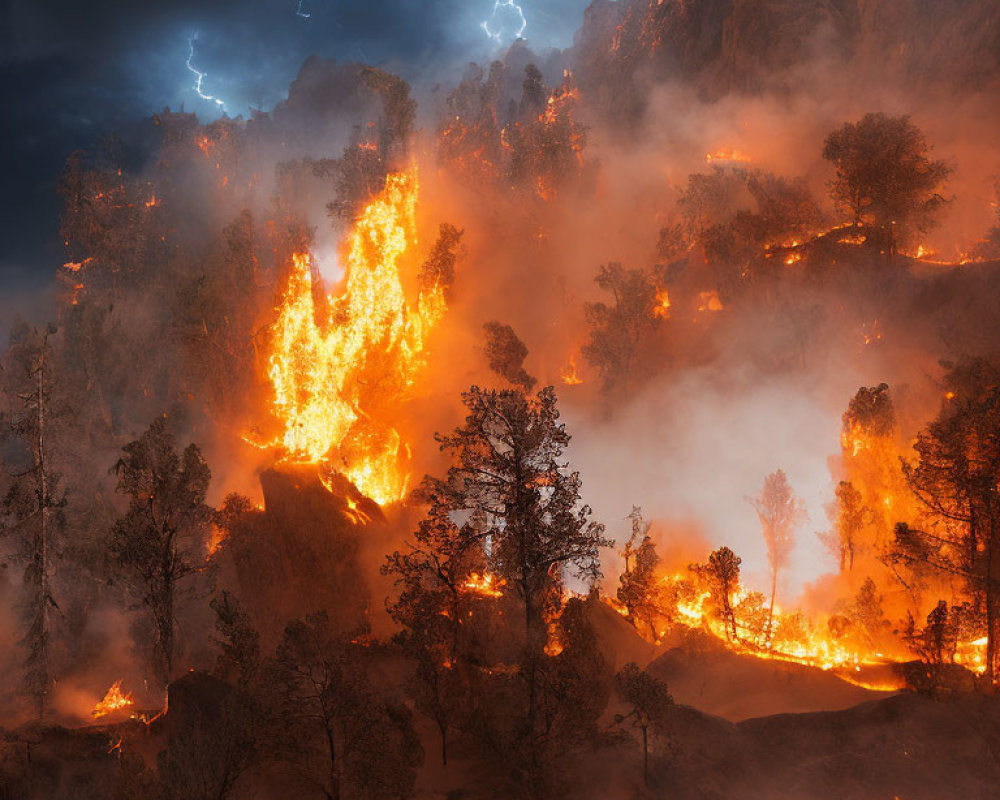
[(485, 584)]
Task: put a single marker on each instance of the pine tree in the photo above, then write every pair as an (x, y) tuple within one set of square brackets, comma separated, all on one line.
[(32, 506)]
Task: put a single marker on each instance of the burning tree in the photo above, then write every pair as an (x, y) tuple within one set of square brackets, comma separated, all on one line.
[(871, 459), (956, 476), (884, 176), (639, 589), (505, 523), (469, 135), (153, 539), (508, 474), (546, 142), (780, 513), (32, 505), (722, 575), (850, 515)]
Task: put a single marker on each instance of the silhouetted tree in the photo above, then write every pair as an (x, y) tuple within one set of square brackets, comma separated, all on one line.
[(240, 641), (438, 270), (617, 330), (649, 700), (32, 505), (211, 740), (346, 739), (884, 176), (523, 508), (780, 512), (505, 353), (956, 476), (867, 615), (722, 575), (166, 516), (850, 515), (639, 585), (432, 577)]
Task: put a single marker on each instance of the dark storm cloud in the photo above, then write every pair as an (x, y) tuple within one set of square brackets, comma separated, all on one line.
[(72, 71)]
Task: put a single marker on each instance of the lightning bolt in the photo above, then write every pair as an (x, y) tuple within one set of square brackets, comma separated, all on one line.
[(300, 13), (200, 76), (497, 6)]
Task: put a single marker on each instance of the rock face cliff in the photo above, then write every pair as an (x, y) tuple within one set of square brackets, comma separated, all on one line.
[(299, 554), (749, 46)]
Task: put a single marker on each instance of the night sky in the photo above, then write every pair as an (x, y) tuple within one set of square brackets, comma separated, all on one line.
[(72, 71)]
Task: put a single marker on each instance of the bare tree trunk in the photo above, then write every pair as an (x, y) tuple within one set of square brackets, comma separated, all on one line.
[(39, 669), (770, 610), (444, 744), (645, 756), (334, 793)]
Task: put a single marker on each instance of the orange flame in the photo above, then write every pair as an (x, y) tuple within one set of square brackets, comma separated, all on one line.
[(114, 700), (726, 155), (662, 308), (486, 584), (335, 381), (569, 375)]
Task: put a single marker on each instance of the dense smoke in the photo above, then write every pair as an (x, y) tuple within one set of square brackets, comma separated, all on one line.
[(645, 220)]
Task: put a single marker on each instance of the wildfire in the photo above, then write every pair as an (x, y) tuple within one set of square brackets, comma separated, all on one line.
[(662, 308), (804, 643), (871, 333), (486, 585), (114, 700), (339, 368), (553, 643), (709, 301), (569, 375), (76, 266), (727, 155)]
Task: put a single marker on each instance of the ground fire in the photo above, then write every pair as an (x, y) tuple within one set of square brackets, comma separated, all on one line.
[(616, 419)]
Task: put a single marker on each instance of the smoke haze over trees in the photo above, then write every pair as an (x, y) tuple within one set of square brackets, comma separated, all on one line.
[(392, 433)]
